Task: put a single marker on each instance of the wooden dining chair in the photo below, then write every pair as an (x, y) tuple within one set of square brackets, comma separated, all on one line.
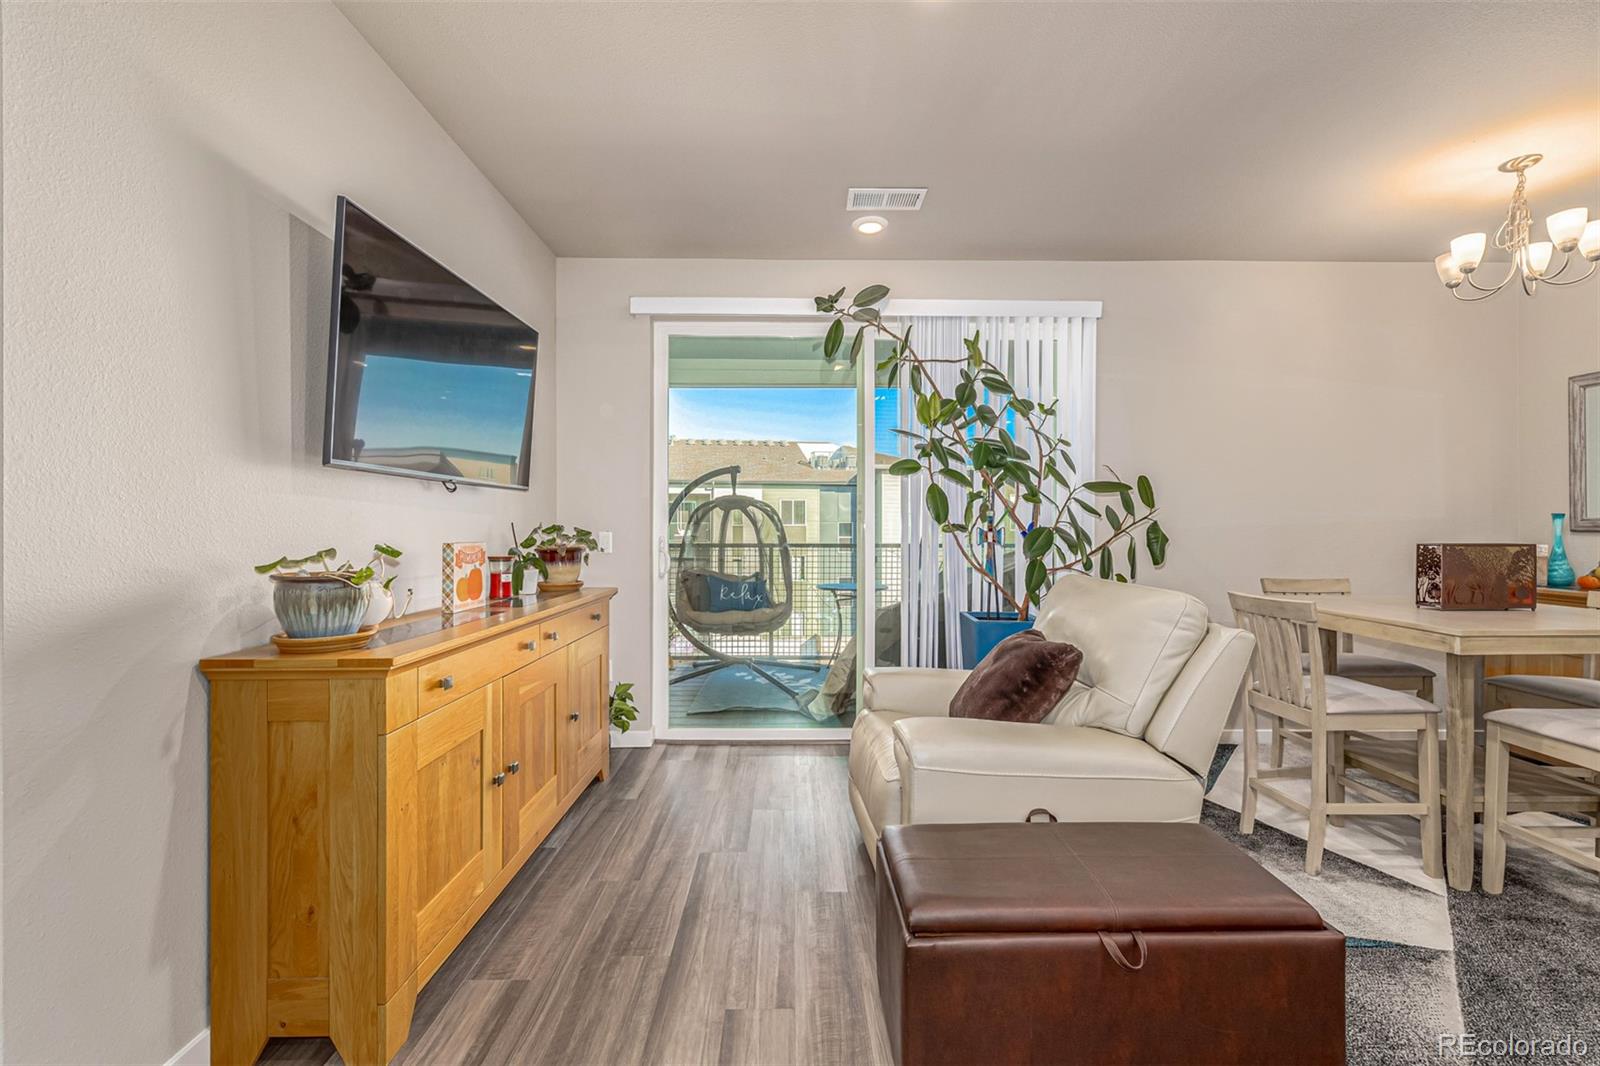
[(1565, 735), (1373, 669), (1540, 690), (1328, 709)]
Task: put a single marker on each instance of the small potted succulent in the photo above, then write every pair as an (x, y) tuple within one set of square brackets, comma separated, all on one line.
[(556, 552), (314, 598)]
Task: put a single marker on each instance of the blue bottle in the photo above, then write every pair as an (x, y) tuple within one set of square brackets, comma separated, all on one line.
[(1559, 574)]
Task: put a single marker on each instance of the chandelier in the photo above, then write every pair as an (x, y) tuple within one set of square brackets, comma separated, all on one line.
[(1570, 231)]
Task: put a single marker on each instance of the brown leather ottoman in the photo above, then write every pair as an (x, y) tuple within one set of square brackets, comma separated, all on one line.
[(1099, 943)]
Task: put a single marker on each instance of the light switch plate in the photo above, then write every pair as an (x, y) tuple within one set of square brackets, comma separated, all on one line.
[(1544, 551), (603, 538)]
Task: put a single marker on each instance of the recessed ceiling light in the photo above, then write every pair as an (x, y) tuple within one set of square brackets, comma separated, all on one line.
[(870, 224)]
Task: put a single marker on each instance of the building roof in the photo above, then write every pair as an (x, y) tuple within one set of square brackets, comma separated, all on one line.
[(759, 461)]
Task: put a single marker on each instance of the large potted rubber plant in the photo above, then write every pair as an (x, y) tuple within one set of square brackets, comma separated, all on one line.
[(1015, 471)]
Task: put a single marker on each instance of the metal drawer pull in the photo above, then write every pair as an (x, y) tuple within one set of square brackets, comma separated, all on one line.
[(447, 681), (573, 716), (512, 768), (597, 616), (552, 635), (498, 780), (532, 645)]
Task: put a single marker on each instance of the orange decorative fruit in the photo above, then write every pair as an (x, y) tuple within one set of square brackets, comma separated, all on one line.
[(1589, 581)]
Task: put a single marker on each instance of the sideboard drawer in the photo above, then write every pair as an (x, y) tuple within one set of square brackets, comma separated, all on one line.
[(452, 676), (572, 626)]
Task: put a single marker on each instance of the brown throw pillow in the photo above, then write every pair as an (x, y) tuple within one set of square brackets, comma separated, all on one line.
[(1021, 680)]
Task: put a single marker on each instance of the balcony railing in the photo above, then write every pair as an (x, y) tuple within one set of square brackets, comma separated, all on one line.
[(823, 619)]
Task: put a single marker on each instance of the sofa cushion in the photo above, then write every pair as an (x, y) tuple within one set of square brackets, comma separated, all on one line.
[(1134, 638), (1020, 680), (969, 770)]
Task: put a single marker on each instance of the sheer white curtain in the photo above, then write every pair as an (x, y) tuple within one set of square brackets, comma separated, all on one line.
[(1046, 357)]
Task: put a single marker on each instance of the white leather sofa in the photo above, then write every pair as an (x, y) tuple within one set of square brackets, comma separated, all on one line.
[(1130, 742)]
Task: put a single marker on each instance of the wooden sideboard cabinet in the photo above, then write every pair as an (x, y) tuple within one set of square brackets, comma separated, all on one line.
[(367, 807)]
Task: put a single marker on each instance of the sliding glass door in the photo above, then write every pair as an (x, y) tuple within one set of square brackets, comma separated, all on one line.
[(775, 536)]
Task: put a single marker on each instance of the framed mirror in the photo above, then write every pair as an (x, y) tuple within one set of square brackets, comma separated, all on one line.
[(1583, 437)]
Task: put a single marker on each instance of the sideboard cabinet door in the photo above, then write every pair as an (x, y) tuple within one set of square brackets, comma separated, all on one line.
[(458, 848), (584, 735), (532, 699)]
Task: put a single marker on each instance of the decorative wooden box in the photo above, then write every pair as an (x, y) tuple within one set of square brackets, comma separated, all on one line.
[(1477, 577)]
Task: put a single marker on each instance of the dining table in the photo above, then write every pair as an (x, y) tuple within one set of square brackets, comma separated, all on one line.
[(1466, 638)]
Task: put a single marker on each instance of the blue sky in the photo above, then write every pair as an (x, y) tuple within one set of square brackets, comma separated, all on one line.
[(779, 414), (415, 403)]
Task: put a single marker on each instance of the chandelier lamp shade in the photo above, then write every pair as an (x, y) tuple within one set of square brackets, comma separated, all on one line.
[(1571, 230)]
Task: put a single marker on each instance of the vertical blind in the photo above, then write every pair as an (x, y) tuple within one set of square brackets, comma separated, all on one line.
[(1047, 358)]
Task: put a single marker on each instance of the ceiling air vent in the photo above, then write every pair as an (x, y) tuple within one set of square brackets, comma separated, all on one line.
[(885, 199)]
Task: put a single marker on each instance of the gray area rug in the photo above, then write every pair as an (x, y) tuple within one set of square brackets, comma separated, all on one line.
[(1526, 964)]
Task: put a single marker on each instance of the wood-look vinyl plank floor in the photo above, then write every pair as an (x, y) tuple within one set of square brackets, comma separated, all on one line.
[(710, 903)]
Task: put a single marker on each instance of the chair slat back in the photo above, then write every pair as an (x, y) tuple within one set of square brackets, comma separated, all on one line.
[(1281, 627), (1306, 586)]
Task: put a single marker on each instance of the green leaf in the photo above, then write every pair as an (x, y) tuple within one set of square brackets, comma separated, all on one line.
[(870, 295), (1155, 542), (856, 345), (958, 477), (1085, 505), (966, 394), (267, 568), (1147, 492), (974, 352), (1104, 486), (902, 467), (1105, 561), (834, 338), (387, 551), (1127, 502), (1037, 543), (1035, 577), (938, 504), (996, 383), (1133, 560), (1113, 517), (865, 314)]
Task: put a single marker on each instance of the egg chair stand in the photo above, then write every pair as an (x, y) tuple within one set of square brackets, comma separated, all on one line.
[(706, 556)]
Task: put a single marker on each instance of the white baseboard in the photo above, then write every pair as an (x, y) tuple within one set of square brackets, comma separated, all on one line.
[(196, 1052), (633, 738)]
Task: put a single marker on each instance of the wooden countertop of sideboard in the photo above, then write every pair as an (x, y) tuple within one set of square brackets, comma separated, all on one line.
[(393, 650)]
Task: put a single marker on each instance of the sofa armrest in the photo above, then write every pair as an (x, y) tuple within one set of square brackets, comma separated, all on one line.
[(977, 770), (911, 689)]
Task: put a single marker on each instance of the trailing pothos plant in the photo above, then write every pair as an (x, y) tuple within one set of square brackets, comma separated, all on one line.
[(624, 712), (544, 543), (320, 564), (1001, 449)]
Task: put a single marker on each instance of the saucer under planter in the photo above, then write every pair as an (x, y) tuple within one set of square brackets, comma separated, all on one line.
[(316, 605), (565, 566), (311, 645), (982, 630)]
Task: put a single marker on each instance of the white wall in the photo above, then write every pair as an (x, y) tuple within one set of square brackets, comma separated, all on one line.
[(170, 173), (1296, 418), (1558, 336)]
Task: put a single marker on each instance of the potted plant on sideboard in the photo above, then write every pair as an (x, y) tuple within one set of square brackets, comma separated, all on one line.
[(1016, 473), (313, 598), (556, 552)]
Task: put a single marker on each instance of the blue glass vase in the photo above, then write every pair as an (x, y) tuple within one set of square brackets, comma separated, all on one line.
[(1559, 575)]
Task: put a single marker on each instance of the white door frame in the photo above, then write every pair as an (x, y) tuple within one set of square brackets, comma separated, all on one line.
[(662, 330)]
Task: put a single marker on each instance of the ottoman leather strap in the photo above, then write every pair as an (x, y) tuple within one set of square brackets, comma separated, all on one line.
[(1116, 953)]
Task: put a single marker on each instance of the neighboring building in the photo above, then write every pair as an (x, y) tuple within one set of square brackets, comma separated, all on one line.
[(813, 489)]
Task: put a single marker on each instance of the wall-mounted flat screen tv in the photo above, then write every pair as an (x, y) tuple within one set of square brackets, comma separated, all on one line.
[(427, 376)]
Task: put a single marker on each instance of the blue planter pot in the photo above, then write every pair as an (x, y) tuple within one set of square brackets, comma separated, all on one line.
[(982, 630), (318, 607)]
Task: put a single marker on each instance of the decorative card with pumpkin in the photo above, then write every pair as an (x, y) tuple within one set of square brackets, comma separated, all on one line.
[(464, 584)]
